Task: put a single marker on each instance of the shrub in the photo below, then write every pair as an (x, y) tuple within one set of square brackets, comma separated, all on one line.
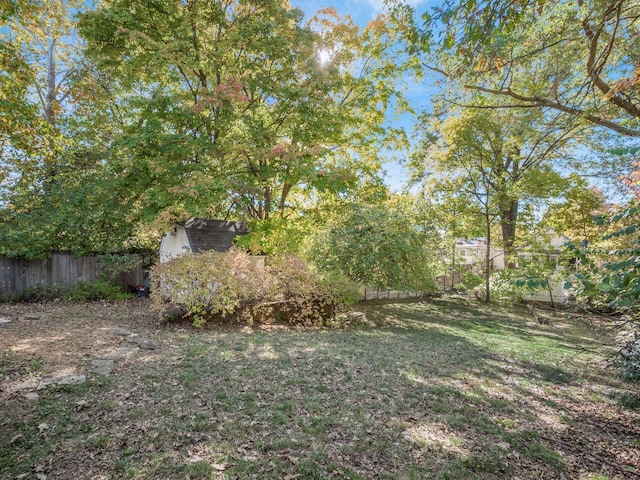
[(307, 297), (472, 280), (460, 287), (206, 283), (90, 291), (213, 283), (378, 247), (503, 287), (42, 293), (80, 292)]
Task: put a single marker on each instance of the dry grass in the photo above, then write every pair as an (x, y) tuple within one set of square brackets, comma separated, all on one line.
[(445, 390)]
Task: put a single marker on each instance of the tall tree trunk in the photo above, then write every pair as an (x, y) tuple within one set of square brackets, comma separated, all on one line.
[(453, 264), (508, 221), (49, 110), (487, 259), (50, 98)]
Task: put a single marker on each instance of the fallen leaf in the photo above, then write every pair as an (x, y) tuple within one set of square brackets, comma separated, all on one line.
[(42, 427)]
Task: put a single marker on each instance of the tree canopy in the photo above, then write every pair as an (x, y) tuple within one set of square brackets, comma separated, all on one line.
[(579, 58)]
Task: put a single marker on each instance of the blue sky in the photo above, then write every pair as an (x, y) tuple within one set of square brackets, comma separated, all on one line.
[(363, 11)]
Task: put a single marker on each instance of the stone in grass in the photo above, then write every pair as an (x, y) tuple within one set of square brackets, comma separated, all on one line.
[(67, 380), (146, 344), (31, 316), (71, 380), (101, 366), (27, 384), (32, 396), (143, 343), (4, 320), (121, 332)]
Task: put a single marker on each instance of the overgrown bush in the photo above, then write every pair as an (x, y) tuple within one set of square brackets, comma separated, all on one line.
[(206, 283), (307, 297), (378, 247), (608, 277), (203, 285), (41, 293)]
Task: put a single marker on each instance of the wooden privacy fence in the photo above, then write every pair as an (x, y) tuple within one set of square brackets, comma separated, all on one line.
[(17, 276), (389, 295)]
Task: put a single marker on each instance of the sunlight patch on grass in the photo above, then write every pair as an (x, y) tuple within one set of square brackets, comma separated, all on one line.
[(268, 353), (435, 435), (416, 378)]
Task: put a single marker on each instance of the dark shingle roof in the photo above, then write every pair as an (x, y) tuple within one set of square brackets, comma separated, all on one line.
[(204, 234)]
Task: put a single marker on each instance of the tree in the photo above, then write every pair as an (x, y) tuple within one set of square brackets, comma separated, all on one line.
[(41, 38), (59, 191), (376, 245), (495, 160), (578, 58), (447, 213), (574, 215), (241, 110)]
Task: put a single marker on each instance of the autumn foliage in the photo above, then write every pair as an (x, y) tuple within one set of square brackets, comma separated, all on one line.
[(213, 285)]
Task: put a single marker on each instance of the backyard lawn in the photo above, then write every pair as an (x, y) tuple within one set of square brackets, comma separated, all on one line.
[(447, 389)]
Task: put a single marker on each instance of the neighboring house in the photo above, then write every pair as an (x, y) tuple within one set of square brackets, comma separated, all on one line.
[(200, 235), (471, 252)]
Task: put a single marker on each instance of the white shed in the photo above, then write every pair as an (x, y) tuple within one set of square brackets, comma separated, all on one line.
[(199, 235)]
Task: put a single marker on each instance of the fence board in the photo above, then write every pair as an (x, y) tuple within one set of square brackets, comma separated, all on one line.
[(388, 295), (17, 276)]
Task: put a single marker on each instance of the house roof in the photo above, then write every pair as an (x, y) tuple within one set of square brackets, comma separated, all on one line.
[(471, 242), (205, 234)]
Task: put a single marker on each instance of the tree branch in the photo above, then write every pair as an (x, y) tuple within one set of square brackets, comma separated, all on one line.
[(539, 102)]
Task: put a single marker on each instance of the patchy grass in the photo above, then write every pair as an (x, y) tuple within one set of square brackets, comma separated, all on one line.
[(442, 390)]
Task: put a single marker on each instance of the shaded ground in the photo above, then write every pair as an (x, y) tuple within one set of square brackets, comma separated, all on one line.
[(446, 390)]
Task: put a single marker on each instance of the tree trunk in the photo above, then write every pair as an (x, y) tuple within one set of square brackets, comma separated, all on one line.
[(508, 220), (487, 260), (453, 264), (50, 99)]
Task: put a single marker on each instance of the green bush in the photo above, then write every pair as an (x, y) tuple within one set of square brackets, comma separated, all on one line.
[(504, 287), (472, 280), (306, 297), (207, 284), (42, 293), (90, 291), (460, 287), (377, 247), (80, 292)]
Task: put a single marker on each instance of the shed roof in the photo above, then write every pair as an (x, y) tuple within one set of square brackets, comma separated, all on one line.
[(205, 234)]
